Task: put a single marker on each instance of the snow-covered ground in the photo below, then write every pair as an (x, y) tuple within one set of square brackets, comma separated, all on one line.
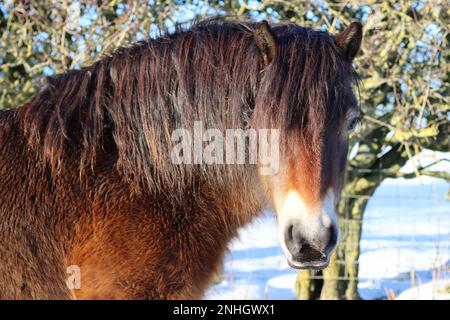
[(405, 248), (405, 238)]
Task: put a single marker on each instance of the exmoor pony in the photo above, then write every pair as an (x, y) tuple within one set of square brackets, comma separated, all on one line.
[(87, 180)]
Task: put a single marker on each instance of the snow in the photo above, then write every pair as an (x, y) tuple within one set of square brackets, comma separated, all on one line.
[(434, 290), (405, 246), (405, 237)]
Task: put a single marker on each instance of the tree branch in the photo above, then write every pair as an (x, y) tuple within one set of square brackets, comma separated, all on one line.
[(437, 174), (423, 172)]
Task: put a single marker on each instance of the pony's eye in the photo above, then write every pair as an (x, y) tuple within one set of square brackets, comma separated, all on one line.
[(352, 124)]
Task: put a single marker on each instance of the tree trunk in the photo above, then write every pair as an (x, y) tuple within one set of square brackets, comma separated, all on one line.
[(308, 286)]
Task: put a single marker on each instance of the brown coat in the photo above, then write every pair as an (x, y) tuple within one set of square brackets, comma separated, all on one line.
[(85, 174)]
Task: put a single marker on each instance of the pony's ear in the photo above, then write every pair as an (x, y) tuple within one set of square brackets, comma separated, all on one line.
[(266, 41), (349, 40)]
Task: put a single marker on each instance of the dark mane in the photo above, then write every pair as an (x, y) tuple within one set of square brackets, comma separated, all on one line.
[(132, 100)]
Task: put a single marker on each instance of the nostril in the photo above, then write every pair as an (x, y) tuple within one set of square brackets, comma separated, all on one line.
[(289, 233), (332, 240)]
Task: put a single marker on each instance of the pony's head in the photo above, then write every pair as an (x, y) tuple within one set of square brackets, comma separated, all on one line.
[(306, 91)]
